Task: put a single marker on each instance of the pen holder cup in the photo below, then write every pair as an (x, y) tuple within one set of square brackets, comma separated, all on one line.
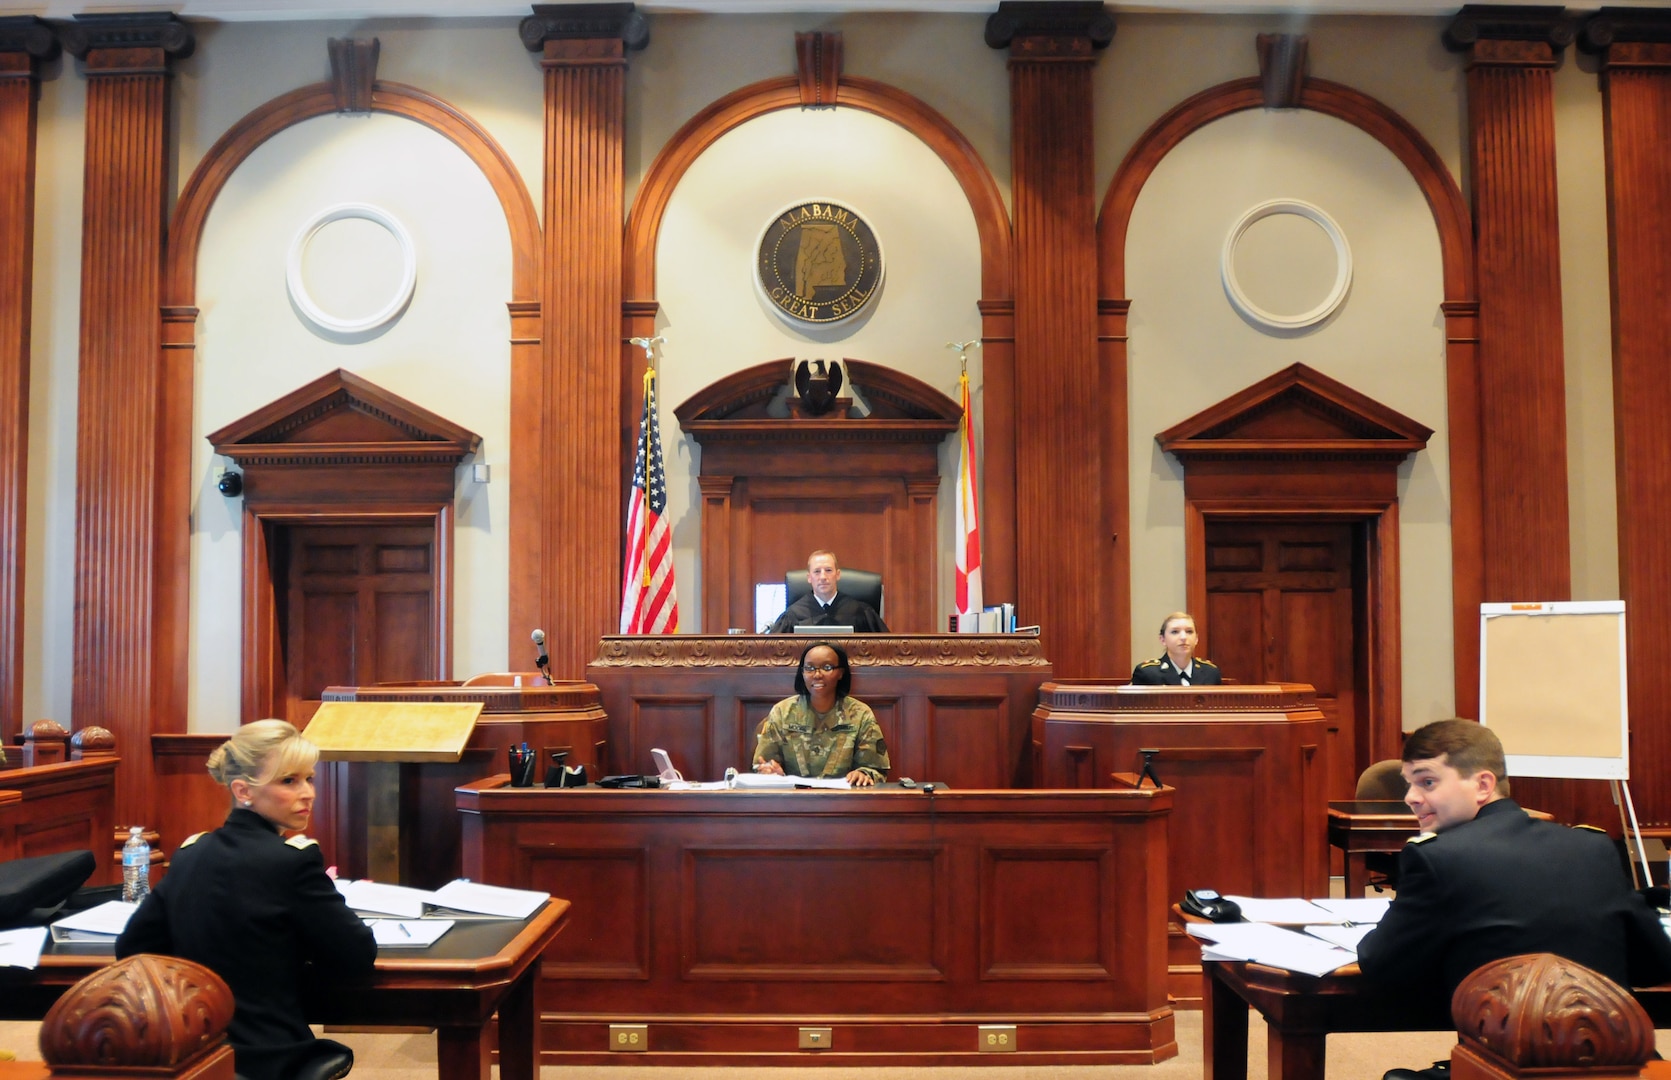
[(522, 767)]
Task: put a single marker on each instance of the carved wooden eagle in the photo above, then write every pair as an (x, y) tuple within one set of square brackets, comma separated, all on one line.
[(818, 386)]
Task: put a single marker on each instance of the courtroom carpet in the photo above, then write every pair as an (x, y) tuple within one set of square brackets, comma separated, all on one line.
[(1351, 1057)]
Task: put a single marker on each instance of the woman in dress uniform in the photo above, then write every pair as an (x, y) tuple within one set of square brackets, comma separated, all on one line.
[(256, 908), (821, 731), (1178, 665)]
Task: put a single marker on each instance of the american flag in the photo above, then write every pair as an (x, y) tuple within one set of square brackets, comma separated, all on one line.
[(649, 604), (968, 516)]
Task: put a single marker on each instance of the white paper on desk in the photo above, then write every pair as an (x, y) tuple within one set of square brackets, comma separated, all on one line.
[(1362, 910), (496, 900), (696, 785), (1282, 911), (407, 933), (1347, 937), (22, 948), (769, 780), (1277, 947), (380, 899), (99, 923)]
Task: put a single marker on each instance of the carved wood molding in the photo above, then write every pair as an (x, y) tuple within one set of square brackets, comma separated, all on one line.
[(1490, 28), (780, 650), (1057, 27), (1540, 1011), (1096, 698), (600, 22), (139, 42), (893, 395), (28, 35), (353, 72), (579, 697), (1281, 68), (153, 1012)]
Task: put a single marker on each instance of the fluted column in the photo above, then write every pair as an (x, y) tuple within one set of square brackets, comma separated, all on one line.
[(574, 561), (1635, 48), (1063, 537), (24, 42), (1512, 53), (116, 684)]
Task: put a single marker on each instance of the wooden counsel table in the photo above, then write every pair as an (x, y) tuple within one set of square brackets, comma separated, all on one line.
[(476, 969), (1301, 1011), (952, 707), (1360, 826), (872, 926)]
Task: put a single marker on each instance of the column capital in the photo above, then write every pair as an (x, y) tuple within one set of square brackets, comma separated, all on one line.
[(146, 31), (1055, 30), (560, 22), (1628, 37), (1489, 34), (28, 34)]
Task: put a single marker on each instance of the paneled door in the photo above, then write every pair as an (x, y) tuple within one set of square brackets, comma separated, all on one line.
[(1285, 604), (358, 607)]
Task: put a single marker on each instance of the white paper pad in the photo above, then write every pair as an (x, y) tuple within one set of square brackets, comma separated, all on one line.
[(407, 933), (463, 895), (767, 780), (22, 948), (380, 899), (96, 923), (1347, 937)]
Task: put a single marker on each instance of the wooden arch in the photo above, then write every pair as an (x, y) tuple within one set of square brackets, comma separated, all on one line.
[(638, 273), (178, 329), (1460, 306)]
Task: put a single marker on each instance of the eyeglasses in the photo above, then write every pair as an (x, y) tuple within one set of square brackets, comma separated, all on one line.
[(825, 668)]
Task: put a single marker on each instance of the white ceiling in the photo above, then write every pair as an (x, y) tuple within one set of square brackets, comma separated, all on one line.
[(275, 10)]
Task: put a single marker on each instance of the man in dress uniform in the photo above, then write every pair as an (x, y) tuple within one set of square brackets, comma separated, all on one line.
[(825, 605), (1485, 881)]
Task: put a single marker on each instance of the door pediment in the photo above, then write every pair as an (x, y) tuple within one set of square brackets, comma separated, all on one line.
[(340, 417), (1296, 413)]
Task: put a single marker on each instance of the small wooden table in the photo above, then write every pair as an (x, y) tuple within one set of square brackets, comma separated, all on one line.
[(477, 969)]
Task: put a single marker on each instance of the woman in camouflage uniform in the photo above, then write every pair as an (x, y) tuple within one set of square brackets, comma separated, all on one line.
[(821, 731)]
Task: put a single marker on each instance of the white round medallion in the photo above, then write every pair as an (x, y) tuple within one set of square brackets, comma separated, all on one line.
[(1343, 266), (298, 251)]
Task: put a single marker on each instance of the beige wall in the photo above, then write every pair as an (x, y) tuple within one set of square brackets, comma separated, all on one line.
[(1386, 342)]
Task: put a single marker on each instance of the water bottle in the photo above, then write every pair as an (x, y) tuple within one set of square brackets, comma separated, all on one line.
[(136, 866)]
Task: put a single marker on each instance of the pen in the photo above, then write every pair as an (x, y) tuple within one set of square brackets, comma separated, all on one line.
[(403, 929)]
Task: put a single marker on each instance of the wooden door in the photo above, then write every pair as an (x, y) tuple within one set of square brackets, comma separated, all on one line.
[(1284, 603), (359, 600)]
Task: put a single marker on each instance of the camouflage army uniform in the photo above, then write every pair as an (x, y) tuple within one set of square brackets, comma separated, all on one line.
[(830, 744)]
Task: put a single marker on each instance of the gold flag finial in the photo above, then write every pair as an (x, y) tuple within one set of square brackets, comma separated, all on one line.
[(962, 349)]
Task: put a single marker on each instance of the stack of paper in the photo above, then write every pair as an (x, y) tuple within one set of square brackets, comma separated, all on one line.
[(467, 896), (1272, 945), (22, 948), (459, 899), (374, 898), (408, 933), (1295, 912), (768, 780), (102, 923)]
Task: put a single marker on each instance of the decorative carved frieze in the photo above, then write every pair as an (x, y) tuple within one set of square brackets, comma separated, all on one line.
[(868, 650), (1281, 68), (1481, 24), (137, 33), (1544, 1012), (818, 67), (1068, 27), (551, 22), (28, 34), (353, 72)]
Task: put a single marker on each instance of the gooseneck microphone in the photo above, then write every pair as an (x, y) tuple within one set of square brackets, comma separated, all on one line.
[(541, 660)]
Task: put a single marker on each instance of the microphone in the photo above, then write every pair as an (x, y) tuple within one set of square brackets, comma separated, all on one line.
[(541, 660)]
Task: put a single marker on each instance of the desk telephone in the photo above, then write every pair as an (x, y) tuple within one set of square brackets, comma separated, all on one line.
[(1208, 904)]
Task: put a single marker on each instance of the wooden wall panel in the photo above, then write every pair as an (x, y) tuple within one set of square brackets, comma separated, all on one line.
[(1063, 533), (1636, 102), (118, 423), (24, 41), (571, 569)]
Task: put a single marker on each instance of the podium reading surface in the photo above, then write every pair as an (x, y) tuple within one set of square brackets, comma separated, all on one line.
[(392, 731)]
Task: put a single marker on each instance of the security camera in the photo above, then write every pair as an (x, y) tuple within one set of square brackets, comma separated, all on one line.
[(231, 484)]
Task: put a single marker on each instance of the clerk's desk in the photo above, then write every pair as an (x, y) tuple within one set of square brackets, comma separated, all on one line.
[(954, 707), (476, 970), (731, 921), (1301, 1011)]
